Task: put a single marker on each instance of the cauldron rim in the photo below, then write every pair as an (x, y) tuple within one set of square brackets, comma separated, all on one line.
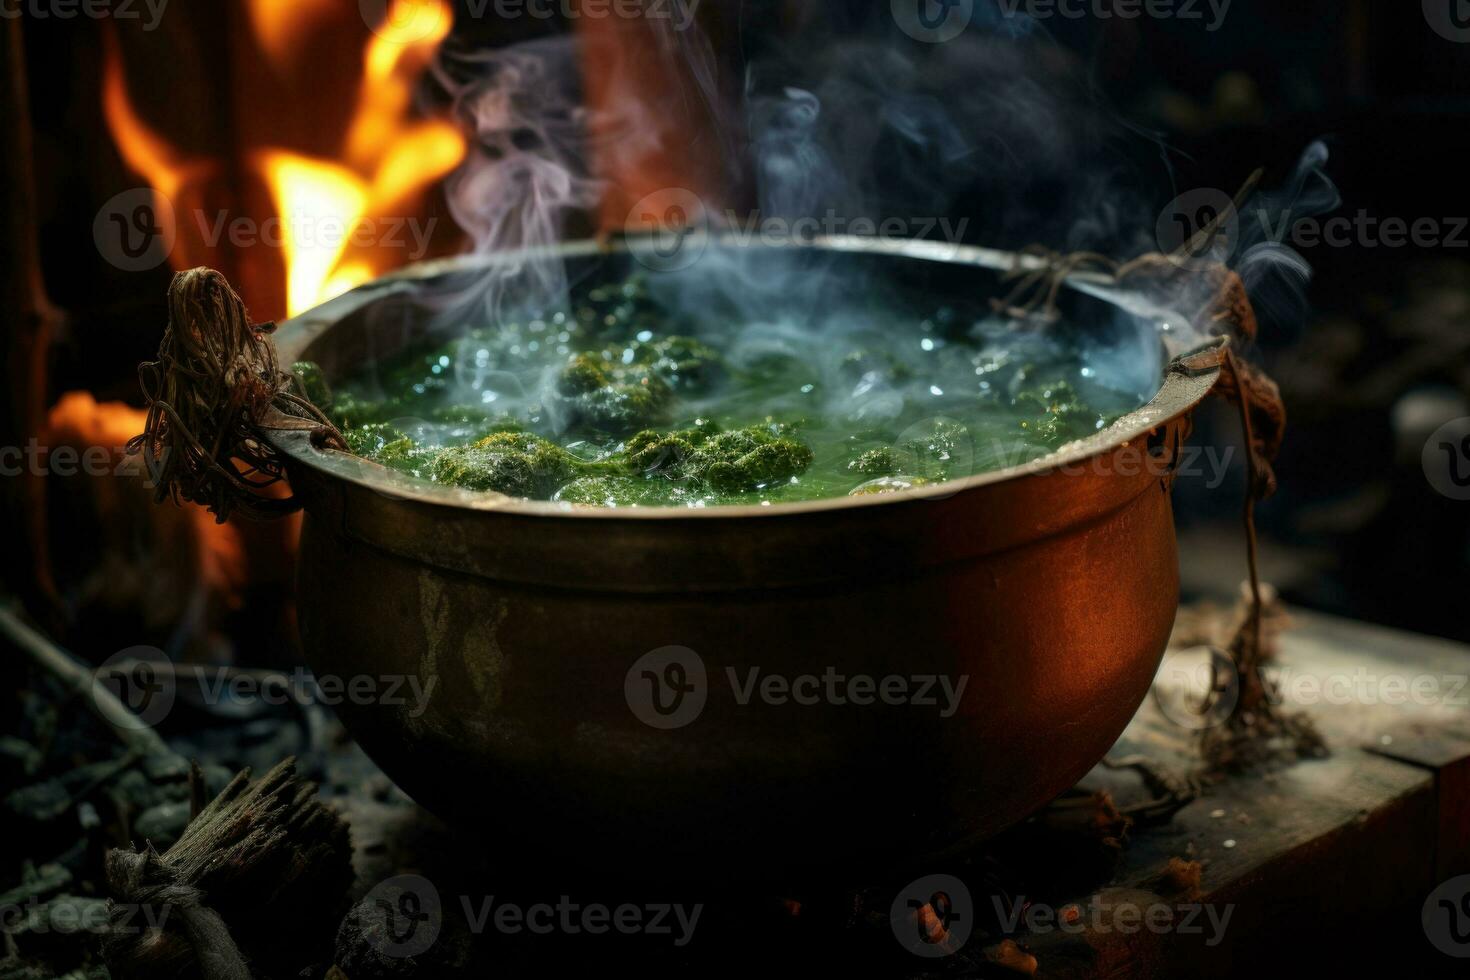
[(1179, 391)]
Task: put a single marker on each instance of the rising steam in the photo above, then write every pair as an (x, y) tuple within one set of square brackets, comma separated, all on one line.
[(1000, 126)]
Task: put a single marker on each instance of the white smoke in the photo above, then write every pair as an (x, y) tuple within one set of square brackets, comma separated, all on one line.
[(1002, 128)]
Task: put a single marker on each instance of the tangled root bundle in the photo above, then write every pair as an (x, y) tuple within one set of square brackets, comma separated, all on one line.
[(212, 394)]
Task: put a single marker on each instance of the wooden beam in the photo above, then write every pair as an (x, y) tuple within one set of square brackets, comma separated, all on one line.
[(26, 323)]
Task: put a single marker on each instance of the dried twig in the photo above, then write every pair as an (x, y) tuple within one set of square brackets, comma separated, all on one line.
[(141, 741)]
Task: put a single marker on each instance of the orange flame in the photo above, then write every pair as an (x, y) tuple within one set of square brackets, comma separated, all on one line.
[(144, 153), (330, 209), (277, 25), (86, 426), (386, 159)]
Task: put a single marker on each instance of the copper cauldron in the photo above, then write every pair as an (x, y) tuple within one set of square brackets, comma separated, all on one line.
[(1051, 587)]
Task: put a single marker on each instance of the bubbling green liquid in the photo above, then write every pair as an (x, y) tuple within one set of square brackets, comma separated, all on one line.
[(616, 402)]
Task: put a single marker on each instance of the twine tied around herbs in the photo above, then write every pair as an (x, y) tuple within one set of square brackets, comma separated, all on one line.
[(147, 881), (213, 393), (1040, 280), (1040, 275), (266, 861)]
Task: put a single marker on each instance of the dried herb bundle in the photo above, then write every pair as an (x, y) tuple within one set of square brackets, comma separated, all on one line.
[(211, 394), (261, 872)]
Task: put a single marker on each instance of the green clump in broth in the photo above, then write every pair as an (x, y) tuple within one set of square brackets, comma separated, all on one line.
[(614, 402)]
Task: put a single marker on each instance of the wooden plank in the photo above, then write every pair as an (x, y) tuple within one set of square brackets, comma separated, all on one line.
[(1446, 756), (1352, 842)]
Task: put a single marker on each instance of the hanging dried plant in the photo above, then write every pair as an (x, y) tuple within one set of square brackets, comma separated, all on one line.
[(212, 394)]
